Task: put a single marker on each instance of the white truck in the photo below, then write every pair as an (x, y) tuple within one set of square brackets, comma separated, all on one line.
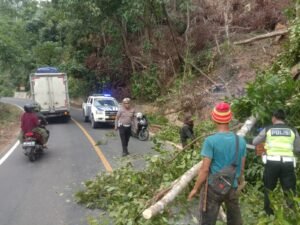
[(100, 109), (49, 88)]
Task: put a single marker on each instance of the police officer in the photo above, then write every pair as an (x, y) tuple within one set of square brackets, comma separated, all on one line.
[(281, 141), (123, 122)]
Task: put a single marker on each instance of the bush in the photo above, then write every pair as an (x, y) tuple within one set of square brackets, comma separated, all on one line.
[(157, 119), (145, 85), (264, 96), (6, 92), (77, 87)]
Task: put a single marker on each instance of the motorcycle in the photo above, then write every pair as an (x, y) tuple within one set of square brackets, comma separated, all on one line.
[(31, 145), (140, 130)]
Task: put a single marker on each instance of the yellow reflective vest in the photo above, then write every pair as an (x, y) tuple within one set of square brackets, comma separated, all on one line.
[(280, 140)]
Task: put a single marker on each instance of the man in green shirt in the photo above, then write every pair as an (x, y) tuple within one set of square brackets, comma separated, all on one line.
[(186, 131)]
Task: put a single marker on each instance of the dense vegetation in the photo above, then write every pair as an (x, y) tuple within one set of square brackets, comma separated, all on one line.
[(107, 45), (135, 48)]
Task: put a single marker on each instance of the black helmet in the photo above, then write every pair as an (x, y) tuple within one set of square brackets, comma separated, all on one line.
[(28, 107)]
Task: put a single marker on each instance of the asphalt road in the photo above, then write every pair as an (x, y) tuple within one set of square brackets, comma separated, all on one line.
[(41, 193)]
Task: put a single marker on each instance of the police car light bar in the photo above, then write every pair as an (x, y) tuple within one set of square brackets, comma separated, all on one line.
[(105, 95)]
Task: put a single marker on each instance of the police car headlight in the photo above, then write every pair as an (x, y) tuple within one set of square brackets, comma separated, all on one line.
[(99, 112)]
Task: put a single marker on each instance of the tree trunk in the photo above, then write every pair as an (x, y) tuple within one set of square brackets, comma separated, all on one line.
[(227, 20), (172, 33), (298, 9), (123, 30), (188, 19), (147, 20), (249, 123), (169, 197)]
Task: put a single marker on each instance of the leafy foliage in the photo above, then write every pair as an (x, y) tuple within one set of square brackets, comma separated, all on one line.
[(254, 170), (169, 133), (283, 215), (292, 56), (48, 53), (145, 85), (77, 87), (157, 119), (264, 96), (126, 192)]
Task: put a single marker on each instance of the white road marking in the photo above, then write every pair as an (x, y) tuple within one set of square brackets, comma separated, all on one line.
[(9, 152)]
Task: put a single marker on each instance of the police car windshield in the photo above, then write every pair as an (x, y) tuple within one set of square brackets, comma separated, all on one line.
[(104, 102)]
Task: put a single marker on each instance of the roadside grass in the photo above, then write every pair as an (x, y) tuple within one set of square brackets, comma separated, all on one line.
[(8, 115), (9, 124)]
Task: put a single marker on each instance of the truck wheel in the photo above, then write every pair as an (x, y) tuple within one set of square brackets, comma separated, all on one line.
[(94, 124)]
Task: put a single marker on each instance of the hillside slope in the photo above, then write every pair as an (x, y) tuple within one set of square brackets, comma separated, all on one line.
[(233, 68), (213, 67)]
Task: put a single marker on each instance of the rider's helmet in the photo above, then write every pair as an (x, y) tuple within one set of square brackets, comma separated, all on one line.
[(36, 107), (28, 107), (139, 115)]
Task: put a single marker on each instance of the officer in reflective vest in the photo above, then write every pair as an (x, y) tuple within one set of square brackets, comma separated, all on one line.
[(281, 142)]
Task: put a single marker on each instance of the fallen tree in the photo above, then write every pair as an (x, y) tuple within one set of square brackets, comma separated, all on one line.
[(175, 190), (262, 36), (249, 123), (188, 176)]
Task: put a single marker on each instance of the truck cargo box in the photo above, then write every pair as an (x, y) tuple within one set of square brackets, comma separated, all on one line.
[(50, 90)]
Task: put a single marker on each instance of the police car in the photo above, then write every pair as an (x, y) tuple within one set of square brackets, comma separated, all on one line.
[(100, 108)]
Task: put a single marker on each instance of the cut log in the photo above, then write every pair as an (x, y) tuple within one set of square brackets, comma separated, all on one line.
[(249, 123), (169, 197), (263, 36)]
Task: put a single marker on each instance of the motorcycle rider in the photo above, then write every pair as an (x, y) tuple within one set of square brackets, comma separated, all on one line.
[(30, 123), (29, 120), (41, 129)]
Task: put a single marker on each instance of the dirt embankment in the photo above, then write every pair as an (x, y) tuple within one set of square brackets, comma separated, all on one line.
[(9, 126)]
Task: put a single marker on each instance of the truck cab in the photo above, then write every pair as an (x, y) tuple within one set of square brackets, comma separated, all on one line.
[(100, 108)]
